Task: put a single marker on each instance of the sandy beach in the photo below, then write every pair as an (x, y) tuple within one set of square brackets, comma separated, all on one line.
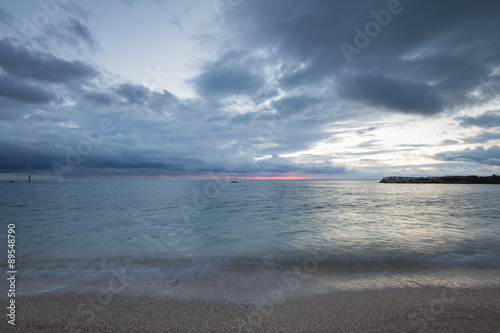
[(422, 309)]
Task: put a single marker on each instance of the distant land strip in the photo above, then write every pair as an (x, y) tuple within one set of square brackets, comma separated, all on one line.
[(493, 179)]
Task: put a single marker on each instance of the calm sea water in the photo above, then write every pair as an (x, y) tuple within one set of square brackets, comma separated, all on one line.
[(206, 237)]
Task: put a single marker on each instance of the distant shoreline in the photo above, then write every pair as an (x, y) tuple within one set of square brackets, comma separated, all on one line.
[(493, 179)]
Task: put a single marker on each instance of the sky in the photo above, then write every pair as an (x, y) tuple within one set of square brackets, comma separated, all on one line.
[(249, 88)]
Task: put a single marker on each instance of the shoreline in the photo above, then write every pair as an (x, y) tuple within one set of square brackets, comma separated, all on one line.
[(257, 285), (248, 287), (493, 179), (408, 309)]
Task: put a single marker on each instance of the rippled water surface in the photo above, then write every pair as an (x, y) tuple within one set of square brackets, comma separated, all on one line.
[(89, 230)]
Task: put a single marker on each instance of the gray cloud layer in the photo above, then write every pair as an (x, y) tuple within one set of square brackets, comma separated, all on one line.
[(284, 59), (27, 64), (489, 119), (424, 60), (490, 156), (24, 92), (392, 94)]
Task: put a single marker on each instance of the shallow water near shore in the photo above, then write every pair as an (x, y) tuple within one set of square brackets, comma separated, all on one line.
[(212, 238)]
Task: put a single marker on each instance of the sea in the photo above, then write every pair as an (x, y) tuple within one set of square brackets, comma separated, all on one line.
[(248, 241)]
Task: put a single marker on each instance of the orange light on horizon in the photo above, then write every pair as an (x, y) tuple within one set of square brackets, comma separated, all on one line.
[(230, 177), (272, 177)]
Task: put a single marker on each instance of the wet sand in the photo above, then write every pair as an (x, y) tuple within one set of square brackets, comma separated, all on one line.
[(422, 309)]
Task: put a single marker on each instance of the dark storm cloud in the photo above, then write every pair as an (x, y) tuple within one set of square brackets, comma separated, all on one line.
[(490, 156), (28, 64), (165, 102), (392, 94), (15, 157), (129, 157), (289, 106), (489, 119), (139, 95), (24, 92), (99, 99), (31, 156), (227, 76), (135, 94), (431, 55), (299, 34), (448, 71)]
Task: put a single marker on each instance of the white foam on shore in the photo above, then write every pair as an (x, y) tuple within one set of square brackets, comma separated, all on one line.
[(278, 285)]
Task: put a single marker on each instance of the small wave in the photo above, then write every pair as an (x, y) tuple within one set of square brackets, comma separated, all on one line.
[(462, 260), (49, 289), (160, 266)]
